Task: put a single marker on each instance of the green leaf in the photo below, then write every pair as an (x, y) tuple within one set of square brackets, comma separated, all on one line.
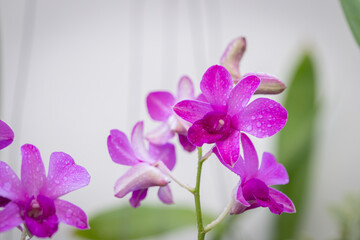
[(129, 223), (351, 10), (296, 144)]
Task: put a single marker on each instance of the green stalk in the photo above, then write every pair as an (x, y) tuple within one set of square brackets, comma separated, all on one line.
[(200, 226)]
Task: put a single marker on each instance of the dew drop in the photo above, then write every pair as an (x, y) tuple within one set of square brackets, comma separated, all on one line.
[(68, 213), (269, 125), (7, 186), (252, 117), (258, 124), (249, 128), (271, 106), (260, 116), (57, 181)]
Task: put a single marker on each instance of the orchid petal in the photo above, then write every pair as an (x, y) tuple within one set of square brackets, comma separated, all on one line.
[(251, 161), (198, 134), (192, 110), (229, 148), (32, 170), (165, 195), (271, 172), (71, 214), (241, 94), (6, 135), (159, 105), (216, 86), (138, 177), (238, 167), (10, 217), (160, 135), (137, 196), (201, 98), (4, 201), (10, 184), (240, 196), (232, 56), (164, 153), (281, 198), (138, 144), (261, 118), (238, 208), (187, 145), (42, 229), (119, 148), (185, 89), (64, 176)]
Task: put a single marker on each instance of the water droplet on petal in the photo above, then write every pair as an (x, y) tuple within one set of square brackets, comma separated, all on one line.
[(271, 106), (260, 116), (252, 117), (269, 125), (57, 181), (7, 186), (249, 128), (258, 124), (68, 213)]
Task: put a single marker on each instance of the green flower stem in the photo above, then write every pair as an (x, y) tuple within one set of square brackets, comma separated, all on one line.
[(26, 233), (207, 155), (220, 218), (200, 226)]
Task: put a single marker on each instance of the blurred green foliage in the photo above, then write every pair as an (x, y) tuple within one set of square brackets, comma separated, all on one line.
[(351, 10), (296, 144), (128, 223)]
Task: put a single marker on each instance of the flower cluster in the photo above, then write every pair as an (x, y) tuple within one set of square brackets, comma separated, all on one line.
[(220, 115), (34, 200)]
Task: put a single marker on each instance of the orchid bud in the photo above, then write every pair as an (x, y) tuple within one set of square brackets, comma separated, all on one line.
[(268, 84), (232, 56)]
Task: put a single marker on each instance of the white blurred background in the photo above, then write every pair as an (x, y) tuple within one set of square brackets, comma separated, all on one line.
[(72, 70)]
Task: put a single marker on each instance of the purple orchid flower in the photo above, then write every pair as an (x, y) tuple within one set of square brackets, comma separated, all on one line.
[(34, 200), (253, 189), (6, 135), (147, 165), (227, 112), (160, 105)]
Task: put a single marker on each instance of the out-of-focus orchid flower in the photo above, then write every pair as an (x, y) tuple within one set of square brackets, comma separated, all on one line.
[(145, 171), (34, 200), (253, 189), (227, 112), (159, 105), (6, 135)]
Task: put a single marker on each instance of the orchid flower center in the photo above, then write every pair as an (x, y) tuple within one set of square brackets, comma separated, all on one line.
[(216, 122), (36, 210), (39, 208), (255, 189)]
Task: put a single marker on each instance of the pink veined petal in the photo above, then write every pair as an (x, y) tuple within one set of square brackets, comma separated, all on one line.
[(216, 85), (281, 198), (229, 148), (137, 196), (10, 217), (198, 135), (32, 170), (251, 161), (187, 145), (165, 195), (71, 214), (138, 177), (164, 153), (138, 144), (120, 149), (271, 172), (10, 184), (238, 167), (238, 208), (159, 105), (192, 110), (6, 135), (64, 176), (261, 118), (185, 89), (232, 56), (160, 135), (241, 94)]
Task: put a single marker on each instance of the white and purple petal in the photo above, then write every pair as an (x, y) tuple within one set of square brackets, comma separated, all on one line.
[(120, 149), (32, 170), (185, 143), (138, 143), (240, 95), (71, 214), (272, 172), (216, 85), (251, 161), (6, 135), (10, 217), (138, 177), (137, 196), (159, 105), (160, 135), (64, 176), (10, 184), (192, 110), (185, 89), (261, 118), (281, 198), (165, 195), (164, 153)]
